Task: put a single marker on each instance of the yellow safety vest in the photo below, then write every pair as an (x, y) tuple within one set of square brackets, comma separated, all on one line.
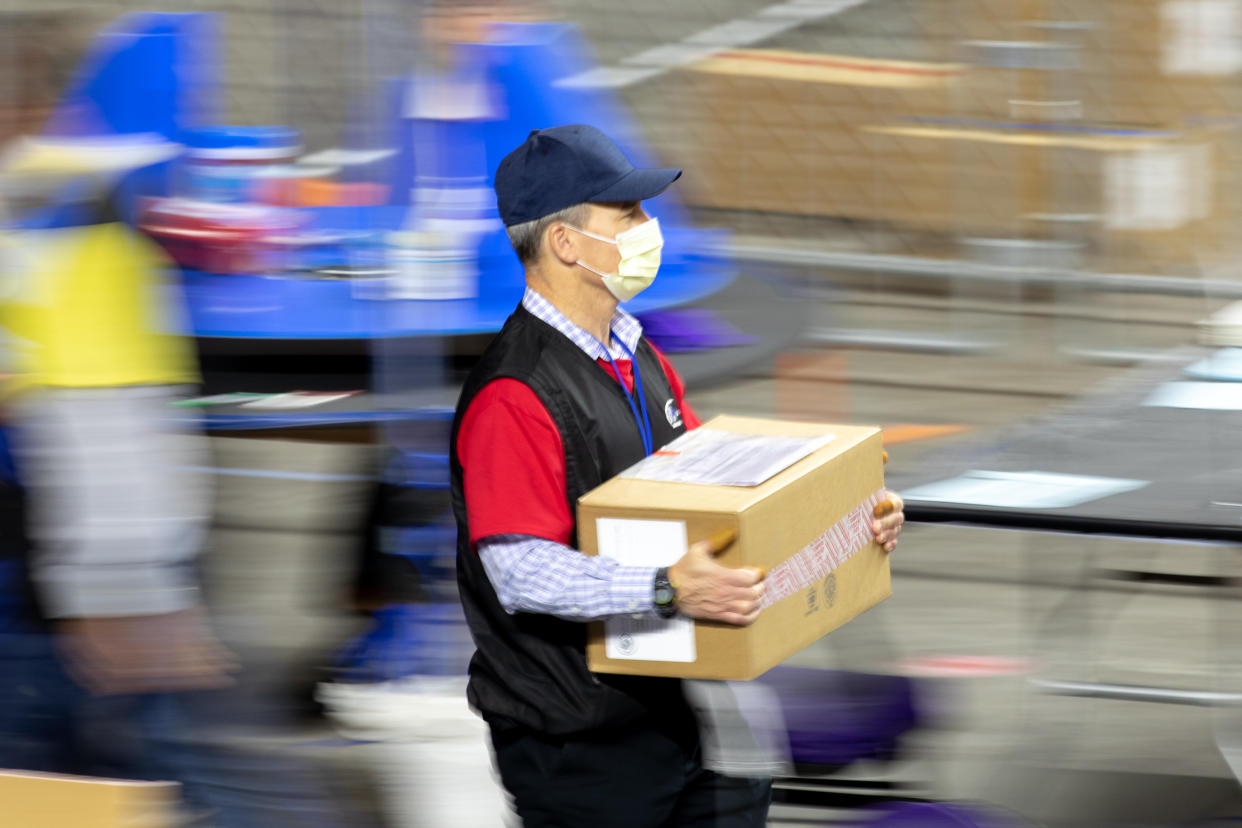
[(89, 307)]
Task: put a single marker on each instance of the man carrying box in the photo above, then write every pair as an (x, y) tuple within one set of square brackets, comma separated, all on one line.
[(567, 395)]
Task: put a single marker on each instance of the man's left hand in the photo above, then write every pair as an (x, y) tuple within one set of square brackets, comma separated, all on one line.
[(889, 516)]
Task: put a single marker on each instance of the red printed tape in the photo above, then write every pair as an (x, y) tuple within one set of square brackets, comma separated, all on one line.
[(824, 554)]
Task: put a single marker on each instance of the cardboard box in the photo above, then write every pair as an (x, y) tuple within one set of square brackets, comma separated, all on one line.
[(1165, 201), (808, 528), (43, 800), (780, 131), (1163, 62)]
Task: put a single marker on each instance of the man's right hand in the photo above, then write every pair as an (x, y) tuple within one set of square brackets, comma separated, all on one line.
[(712, 592)]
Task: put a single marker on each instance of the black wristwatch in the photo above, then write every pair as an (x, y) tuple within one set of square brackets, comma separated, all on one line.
[(665, 597)]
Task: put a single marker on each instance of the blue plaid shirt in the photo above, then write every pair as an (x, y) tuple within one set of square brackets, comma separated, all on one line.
[(624, 327), (533, 574)]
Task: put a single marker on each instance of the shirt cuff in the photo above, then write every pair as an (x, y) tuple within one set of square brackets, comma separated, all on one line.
[(633, 590), (109, 591)]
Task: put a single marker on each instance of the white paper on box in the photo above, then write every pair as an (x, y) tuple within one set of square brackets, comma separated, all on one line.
[(1155, 188), (645, 543), (723, 458)]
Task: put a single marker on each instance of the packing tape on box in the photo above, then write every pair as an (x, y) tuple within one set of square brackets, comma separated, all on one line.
[(824, 554)]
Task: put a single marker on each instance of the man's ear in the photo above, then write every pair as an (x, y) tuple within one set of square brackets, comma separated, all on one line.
[(561, 243)]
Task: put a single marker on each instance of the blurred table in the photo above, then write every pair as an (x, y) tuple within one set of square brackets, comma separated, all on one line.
[(1155, 454), (1126, 459), (758, 309)]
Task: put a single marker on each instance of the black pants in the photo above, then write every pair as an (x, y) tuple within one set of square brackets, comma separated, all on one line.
[(635, 778)]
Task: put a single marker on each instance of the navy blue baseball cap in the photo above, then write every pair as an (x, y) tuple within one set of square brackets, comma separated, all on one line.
[(562, 166)]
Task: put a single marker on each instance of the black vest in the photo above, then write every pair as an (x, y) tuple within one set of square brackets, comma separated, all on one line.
[(529, 669)]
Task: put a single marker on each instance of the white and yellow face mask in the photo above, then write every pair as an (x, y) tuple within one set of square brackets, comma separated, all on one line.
[(640, 259)]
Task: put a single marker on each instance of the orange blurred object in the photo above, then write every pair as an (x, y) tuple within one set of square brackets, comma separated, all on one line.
[(913, 432), (317, 192)]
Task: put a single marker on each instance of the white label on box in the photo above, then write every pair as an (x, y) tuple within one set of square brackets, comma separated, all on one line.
[(724, 458), (645, 543), (1021, 490), (1201, 37), (1155, 189)]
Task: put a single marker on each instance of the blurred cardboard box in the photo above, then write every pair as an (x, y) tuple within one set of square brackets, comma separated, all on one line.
[(782, 131), (952, 149), (1162, 200), (999, 19), (1174, 208), (808, 527), (1171, 63), (38, 800), (1158, 62)]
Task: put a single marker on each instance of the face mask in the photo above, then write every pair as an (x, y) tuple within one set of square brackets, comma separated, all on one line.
[(640, 259)]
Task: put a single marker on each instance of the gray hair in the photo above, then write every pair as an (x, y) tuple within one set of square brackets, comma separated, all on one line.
[(527, 237)]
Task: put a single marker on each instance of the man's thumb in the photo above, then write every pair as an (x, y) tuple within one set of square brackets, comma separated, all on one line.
[(715, 543)]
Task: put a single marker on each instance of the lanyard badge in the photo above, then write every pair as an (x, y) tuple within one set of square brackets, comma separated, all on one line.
[(643, 421)]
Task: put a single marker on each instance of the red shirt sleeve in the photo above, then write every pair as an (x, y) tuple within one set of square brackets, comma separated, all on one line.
[(513, 465), (513, 462)]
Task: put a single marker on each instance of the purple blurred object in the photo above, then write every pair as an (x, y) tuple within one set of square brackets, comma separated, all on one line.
[(835, 717), (935, 815), (691, 329)]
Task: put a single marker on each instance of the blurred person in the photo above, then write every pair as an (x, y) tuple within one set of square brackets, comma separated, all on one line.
[(115, 526), (105, 648), (449, 99), (568, 394), (118, 509), (115, 515), (446, 23)]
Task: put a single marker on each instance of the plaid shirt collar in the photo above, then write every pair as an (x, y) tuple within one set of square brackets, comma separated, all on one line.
[(624, 327)]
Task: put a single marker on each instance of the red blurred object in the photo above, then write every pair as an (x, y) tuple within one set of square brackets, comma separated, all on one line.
[(220, 238)]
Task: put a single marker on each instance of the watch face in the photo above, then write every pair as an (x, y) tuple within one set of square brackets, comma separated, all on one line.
[(664, 594)]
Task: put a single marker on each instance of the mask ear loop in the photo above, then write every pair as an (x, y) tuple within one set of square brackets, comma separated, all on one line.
[(590, 235), (583, 264)]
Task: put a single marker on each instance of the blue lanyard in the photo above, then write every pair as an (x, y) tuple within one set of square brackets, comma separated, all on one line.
[(644, 422)]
